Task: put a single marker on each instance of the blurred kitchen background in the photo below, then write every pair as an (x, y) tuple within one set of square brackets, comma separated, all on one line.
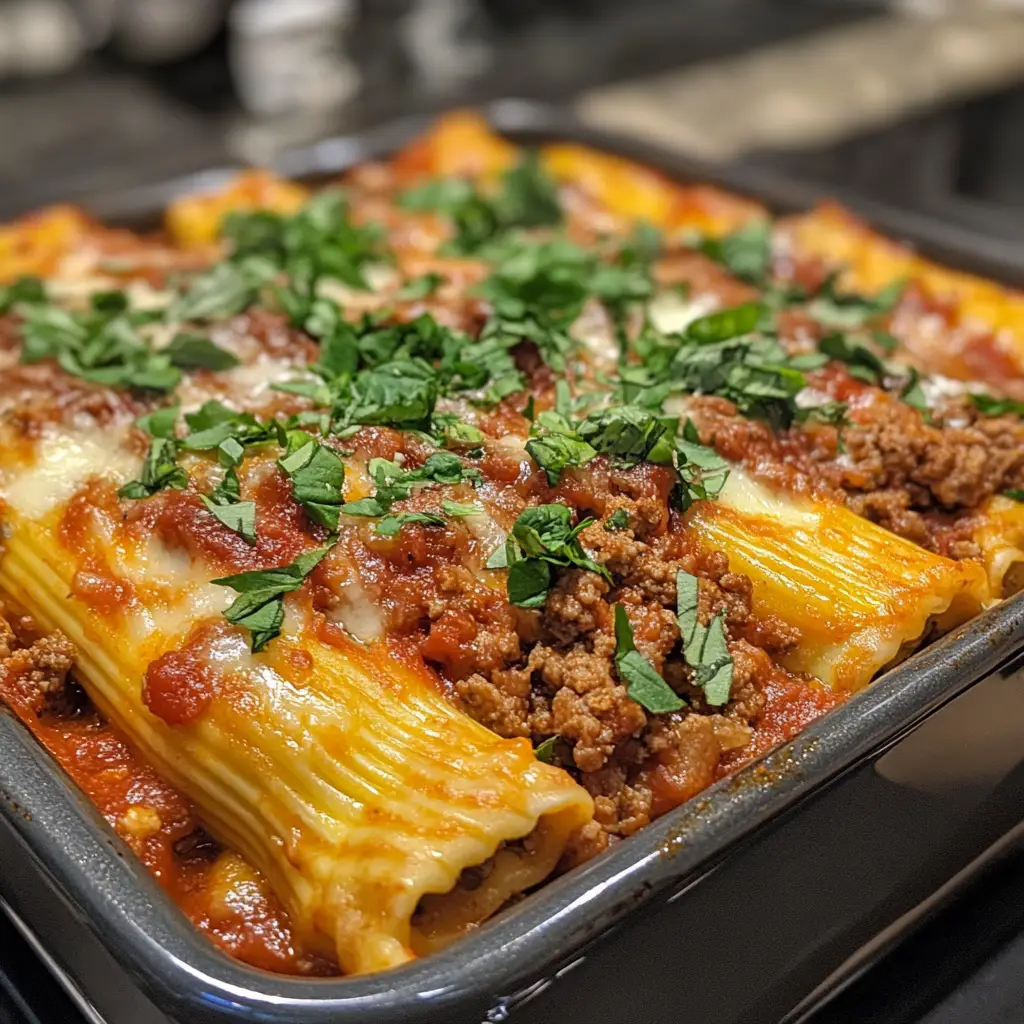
[(919, 102)]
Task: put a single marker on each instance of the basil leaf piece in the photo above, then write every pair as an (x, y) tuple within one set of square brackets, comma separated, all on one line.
[(213, 425), (459, 510), (160, 468), (364, 507), (557, 452), (99, 345), (545, 751), (222, 291), (441, 195), (420, 287), (849, 311), (861, 361), (529, 582), (317, 475), (197, 352), (618, 520), (746, 252), (831, 413), (395, 483), (643, 684), (160, 422), (629, 433), (705, 648), (391, 524), (542, 539), (238, 516), (26, 289), (726, 324), (498, 558), (913, 394), (990, 405), (1015, 493), (702, 471), (260, 604)]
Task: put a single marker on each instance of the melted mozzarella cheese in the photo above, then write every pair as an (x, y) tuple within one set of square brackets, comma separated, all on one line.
[(357, 612), (64, 462), (242, 386), (670, 312), (749, 497)]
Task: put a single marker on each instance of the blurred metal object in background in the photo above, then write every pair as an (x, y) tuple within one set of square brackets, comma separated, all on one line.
[(39, 37), (291, 56)]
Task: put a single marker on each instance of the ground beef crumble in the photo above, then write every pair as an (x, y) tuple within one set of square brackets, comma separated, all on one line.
[(562, 682), (921, 476)]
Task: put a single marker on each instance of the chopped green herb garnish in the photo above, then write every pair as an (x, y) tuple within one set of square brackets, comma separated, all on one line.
[(990, 405), (239, 516), (746, 252), (705, 648), (160, 469), (542, 539), (28, 290), (317, 475), (545, 751), (395, 483), (420, 287), (260, 604), (643, 684), (847, 311), (861, 362), (618, 520), (99, 345), (197, 352), (389, 525)]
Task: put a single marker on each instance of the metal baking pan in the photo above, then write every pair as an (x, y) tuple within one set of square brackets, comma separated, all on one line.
[(748, 904)]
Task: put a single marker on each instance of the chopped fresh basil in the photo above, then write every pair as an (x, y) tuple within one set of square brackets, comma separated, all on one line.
[(160, 468), (260, 604), (913, 394), (702, 471), (239, 516), (861, 362), (643, 684), (222, 291), (545, 751), (847, 311), (197, 352), (555, 452), (1015, 493), (830, 413), (542, 539), (990, 405), (99, 345), (746, 252), (395, 483), (726, 324), (215, 426), (705, 648), (629, 433), (21, 290), (391, 524), (420, 287), (526, 197), (317, 475), (618, 520)]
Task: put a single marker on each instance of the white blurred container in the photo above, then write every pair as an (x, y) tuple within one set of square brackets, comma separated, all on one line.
[(290, 56)]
